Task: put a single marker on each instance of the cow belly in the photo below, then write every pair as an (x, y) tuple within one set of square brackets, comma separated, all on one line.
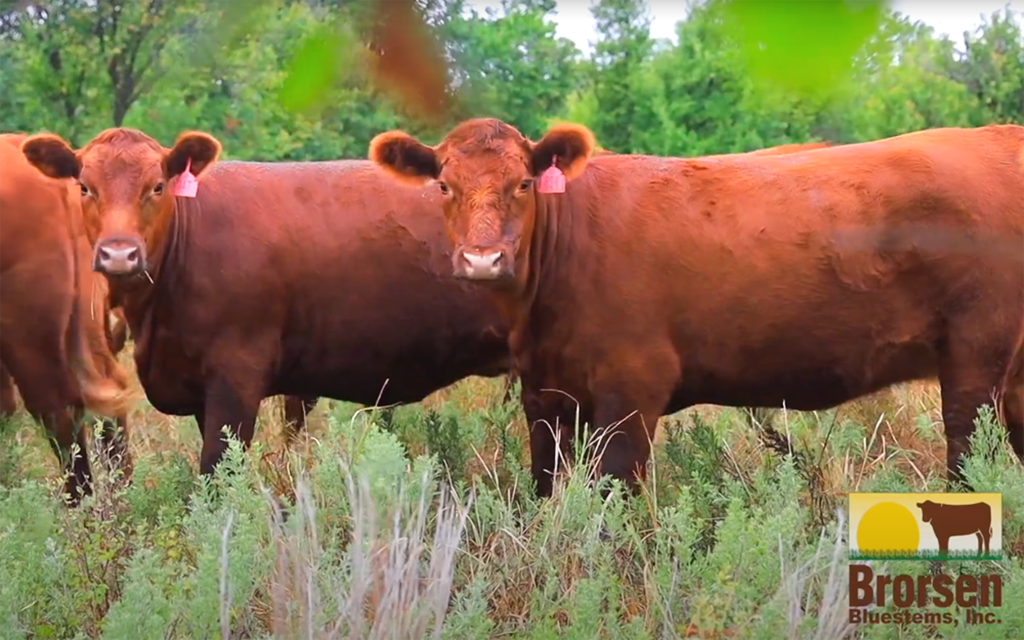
[(801, 388)]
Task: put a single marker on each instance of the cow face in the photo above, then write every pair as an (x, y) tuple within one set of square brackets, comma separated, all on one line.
[(486, 171), (927, 510), (126, 180)]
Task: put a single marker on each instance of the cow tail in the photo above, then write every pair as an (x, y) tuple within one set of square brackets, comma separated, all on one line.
[(101, 394)]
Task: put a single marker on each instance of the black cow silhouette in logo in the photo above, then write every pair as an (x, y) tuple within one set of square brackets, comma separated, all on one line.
[(950, 520)]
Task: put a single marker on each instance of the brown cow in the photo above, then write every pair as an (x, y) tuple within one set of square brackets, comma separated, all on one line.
[(303, 279), (950, 520), (653, 284), (94, 306), (56, 356), (295, 409)]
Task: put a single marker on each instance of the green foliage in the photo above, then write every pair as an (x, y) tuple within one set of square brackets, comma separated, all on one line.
[(288, 79), (401, 520), (724, 542)]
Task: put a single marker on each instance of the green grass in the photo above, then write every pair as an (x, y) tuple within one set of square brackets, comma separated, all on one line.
[(924, 554), (417, 522)]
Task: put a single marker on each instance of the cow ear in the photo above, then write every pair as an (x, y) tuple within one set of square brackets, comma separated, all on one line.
[(52, 156), (200, 148), (571, 144), (405, 157)]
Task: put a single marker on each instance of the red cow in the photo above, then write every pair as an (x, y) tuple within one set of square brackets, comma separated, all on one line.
[(949, 520), (652, 284), (50, 347), (303, 279)]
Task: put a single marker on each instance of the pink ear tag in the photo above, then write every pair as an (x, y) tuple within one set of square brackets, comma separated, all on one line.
[(186, 185), (552, 180)]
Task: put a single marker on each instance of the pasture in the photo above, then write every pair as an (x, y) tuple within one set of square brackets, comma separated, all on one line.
[(410, 521)]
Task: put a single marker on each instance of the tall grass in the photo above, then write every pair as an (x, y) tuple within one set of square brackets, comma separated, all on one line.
[(418, 522)]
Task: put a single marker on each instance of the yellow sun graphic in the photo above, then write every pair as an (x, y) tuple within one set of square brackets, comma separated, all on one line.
[(888, 527)]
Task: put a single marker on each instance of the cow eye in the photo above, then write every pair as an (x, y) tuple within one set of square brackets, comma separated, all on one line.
[(85, 189), (525, 184), (443, 187), (158, 189)]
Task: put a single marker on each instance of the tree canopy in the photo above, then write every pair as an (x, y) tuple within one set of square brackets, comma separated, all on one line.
[(76, 67)]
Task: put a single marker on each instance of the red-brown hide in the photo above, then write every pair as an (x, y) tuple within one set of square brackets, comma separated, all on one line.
[(806, 279), (302, 279), (51, 345)]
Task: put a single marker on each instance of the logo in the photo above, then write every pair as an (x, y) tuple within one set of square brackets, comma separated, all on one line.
[(894, 528)]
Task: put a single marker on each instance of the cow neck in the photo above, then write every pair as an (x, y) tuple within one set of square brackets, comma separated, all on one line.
[(165, 245), (553, 215)]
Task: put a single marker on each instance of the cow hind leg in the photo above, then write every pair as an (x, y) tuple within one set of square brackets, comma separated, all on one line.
[(52, 399)]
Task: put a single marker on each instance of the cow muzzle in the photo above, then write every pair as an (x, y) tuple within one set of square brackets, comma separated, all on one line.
[(492, 263), (119, 258)]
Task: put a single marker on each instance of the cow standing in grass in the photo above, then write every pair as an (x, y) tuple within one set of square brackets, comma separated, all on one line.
[(51, 346), (810, 279), (316, 279)]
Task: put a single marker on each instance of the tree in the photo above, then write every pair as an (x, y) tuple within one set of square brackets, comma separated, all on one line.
[(621, 50)]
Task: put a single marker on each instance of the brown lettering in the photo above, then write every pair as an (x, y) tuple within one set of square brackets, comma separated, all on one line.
[(922, 590), (966, 588), (886, 618), (880, 584), (942, 585), (854, 616), (996, 583), (903, 590), (861, 594)]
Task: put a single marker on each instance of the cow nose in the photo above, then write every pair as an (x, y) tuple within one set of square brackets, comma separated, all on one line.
[(118, 260), (482, 265)]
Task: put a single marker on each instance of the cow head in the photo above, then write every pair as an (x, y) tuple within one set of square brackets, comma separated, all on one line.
[(927, 510), (126, 179), (485, 170)]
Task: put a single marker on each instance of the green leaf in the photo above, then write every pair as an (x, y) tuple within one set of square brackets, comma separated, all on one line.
[(807, 46), (316, 66)]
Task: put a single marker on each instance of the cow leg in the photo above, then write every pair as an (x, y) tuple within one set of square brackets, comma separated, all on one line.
[(52, 399), (114, 445), (8, 402), (1013, 416), (943, 545), (510, 381), (623, 436), (296, 408), (969, 372), (232, 403), (547, 418), (629, 398)]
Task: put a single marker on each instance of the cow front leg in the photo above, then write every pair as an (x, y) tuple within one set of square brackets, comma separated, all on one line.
[(623, 433), (232, 403), (551, 427), (296, 409), (966, 386), (8, 402)]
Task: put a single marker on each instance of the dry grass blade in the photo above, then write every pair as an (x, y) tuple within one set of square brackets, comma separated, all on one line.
[(225, 588), (832, 609), (391, 589)]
